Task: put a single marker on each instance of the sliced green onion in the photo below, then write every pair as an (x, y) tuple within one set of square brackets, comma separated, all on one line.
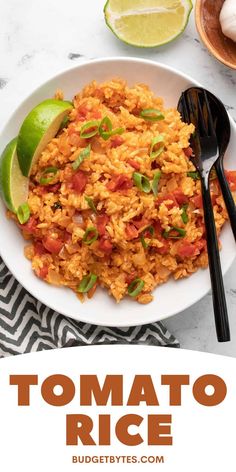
[(105, 128), (46, 178), (108, 131), (155, 182), (142, 182), (87, 283), (90, 235), (135, 287), (151, 114), (158, 139), (144, 244), (150, 230), (117, 131), (184, 214), (90, 129), (194, 175), (90, 203), (82, 155), (23, 213), (171, 234)]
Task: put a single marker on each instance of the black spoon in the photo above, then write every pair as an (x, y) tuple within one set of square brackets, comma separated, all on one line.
[(194, 108), (222, 129)]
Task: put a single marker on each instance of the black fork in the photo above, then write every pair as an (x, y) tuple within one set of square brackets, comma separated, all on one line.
[(194, 108)]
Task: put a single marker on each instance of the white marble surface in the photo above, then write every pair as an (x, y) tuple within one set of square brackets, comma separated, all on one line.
[(42, 37)]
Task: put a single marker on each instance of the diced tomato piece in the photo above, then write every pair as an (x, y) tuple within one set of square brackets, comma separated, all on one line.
[(116, 141), (188, 151), (53, 188), (97, 114), (231, 177), (130, 277), (140, 222), (79, 181), (180, 197), (134, 164), (200, 244), (166, 197), (83, 109), (31, 225), (41, 190), (197, 201), (105, 245), (82, 113), (187, 249), (120, 182), (102, 221), (43, 272), (157, 227), (214, 198), (80, 117), (52, 245), (136, 111), (131, 232), (39, 248), (164, 250)]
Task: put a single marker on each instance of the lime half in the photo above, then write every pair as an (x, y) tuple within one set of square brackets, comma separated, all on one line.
[(38, 128), (13, 185), (148, 23)]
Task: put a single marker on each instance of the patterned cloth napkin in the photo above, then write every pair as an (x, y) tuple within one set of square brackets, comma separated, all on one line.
[(27, 325)]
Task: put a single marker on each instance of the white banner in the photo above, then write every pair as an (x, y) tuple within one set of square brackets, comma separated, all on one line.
[(177, 406)]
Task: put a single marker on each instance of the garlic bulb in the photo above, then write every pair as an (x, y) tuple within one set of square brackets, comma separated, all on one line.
[(228, 19)]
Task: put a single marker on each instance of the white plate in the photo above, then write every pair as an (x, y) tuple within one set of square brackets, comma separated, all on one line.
[(171, 297)]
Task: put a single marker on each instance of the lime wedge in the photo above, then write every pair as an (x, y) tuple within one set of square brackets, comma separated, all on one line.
[(148, 23), (13, 185), (38, 128)]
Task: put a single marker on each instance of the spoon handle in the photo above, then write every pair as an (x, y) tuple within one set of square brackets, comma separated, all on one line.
[(228, 198), (218, 292)]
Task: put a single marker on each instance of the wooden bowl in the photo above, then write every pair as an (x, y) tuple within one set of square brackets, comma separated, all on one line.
[(207, 14)]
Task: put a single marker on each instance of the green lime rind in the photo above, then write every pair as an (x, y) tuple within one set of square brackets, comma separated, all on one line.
[(39, 127), (139, 45), (13, 185)]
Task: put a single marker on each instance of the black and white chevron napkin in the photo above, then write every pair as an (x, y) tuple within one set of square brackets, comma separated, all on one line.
[(27, 325)]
